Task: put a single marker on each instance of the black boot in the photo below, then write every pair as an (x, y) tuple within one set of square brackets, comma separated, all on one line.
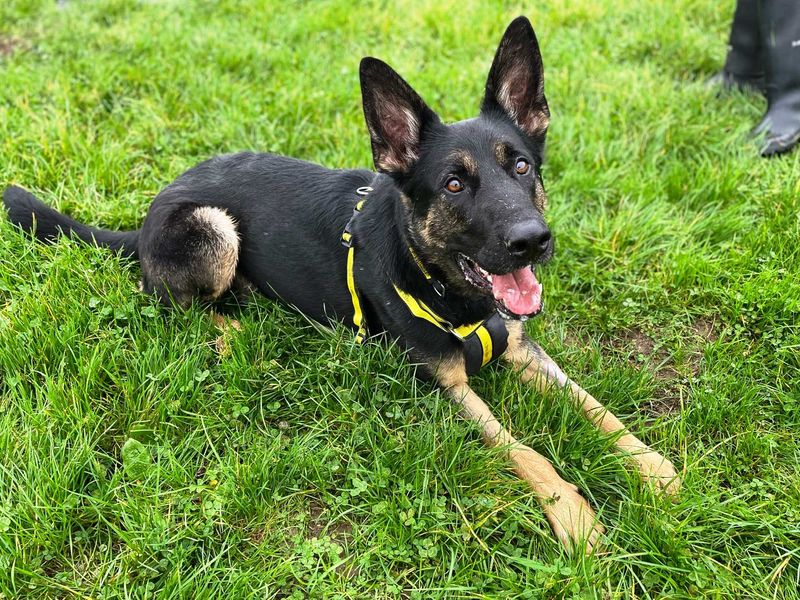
[(744, 66), (780, 30)]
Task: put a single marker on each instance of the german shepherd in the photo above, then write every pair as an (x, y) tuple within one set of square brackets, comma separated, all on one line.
[(446, 234)]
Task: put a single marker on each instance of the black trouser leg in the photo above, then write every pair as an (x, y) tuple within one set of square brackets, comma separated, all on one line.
[(780, 31), (744, 65)]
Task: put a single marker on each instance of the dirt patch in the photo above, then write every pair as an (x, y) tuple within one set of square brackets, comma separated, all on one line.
[(639, 341), (642, 350), (666, 371), (666, 401), (9, 45), (666, 398), (340, 532), (257, 535), (672, 378), (673, 382), (573, 340), (705, 329)]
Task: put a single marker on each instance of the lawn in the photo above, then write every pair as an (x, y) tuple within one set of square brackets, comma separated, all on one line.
[(150, 453)]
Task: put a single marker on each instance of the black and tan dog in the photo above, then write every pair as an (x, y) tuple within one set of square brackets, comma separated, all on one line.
[(437, 250)]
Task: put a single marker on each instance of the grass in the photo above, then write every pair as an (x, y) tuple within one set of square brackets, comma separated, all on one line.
[(144, 453)]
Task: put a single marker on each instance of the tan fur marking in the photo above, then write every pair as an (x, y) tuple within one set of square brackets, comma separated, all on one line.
[(466, 161), (225, 253), (539, 370), (425, 233), (501, 153), (540, 196), (572, 519), (442, 221)]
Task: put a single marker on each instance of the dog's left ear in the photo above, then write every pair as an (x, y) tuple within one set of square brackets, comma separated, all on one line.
[(516, 81), (397, 118)]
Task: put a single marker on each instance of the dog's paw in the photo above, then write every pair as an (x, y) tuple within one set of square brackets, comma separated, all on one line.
[(573, 521), (658, 470)]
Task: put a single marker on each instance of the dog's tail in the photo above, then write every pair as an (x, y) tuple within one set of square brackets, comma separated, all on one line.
[(29, 213)]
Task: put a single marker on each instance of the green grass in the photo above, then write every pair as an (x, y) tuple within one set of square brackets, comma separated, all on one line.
[(283, 461)]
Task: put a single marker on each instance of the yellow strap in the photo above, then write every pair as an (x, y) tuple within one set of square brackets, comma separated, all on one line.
[(419, 264), (421, 310), (417, 307), (358, 317), (466, 330), (486, 343)]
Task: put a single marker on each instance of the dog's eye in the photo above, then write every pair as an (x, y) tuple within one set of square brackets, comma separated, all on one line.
[(522, 166), (454, 185)]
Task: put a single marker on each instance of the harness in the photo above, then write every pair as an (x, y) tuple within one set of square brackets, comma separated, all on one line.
[(482, 341)]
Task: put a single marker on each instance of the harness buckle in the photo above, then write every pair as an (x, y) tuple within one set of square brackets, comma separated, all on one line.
[(347, 237)]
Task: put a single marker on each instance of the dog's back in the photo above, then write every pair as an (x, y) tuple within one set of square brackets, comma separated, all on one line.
[(274, 221), (288, 216)]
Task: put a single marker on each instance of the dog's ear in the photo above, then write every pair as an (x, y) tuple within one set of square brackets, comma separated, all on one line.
[(516, 81), (396, 116)]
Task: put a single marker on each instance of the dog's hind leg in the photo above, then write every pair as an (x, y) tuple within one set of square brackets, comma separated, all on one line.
[(189, 251), (539, 370), (572, 519)]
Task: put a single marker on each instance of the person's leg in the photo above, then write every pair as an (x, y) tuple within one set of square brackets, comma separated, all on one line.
[(744, 65), (780, 30)]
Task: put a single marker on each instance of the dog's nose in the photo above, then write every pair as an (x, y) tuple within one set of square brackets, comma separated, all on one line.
[(528, 239)]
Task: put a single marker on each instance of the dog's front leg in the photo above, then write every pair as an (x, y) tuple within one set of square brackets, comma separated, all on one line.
[(539, 370), (572, 519)]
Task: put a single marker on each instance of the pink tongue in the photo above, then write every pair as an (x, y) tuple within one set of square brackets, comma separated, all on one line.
[(519, 291)]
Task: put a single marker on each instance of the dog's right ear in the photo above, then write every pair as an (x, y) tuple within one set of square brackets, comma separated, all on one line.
[(515, 85), (396, 117)]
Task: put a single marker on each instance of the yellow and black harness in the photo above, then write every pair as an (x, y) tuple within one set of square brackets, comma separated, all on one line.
[(483, 341)]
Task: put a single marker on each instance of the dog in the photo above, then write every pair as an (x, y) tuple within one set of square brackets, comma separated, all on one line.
[(437, 249)]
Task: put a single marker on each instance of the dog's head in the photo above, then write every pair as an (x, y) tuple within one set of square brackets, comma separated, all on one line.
[(472, 190)]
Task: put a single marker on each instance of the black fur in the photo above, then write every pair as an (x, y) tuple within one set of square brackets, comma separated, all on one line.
[(289, 214), (31, 214)]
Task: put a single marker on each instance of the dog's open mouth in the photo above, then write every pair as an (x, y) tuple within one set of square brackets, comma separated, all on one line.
[(517, 295)]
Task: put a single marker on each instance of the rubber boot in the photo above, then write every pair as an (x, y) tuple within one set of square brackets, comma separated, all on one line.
[(780, 30), (744, 66)]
